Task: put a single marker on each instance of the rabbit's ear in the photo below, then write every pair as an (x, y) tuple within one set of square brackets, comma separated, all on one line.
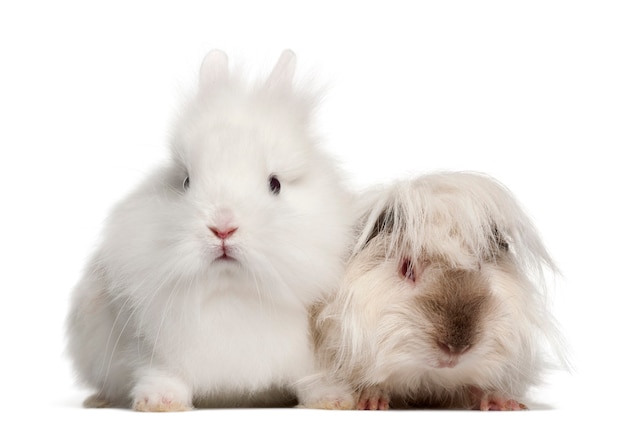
[(283, 72), (214, 70)]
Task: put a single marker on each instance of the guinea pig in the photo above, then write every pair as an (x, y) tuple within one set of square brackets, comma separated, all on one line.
[(443, 303), (199, 292)]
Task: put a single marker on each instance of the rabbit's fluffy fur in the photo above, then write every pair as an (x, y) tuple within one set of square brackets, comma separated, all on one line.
[(199, 291)]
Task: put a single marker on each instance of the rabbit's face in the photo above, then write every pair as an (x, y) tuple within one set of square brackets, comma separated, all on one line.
[(248, 201), (239, 186), (249, 195)]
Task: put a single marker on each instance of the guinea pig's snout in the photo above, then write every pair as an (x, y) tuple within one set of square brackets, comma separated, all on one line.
[(457, 310), (453, 345), (450, 353), (453, 349)]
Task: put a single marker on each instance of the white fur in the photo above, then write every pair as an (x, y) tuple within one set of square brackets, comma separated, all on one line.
[(158, 321), (374, 339)]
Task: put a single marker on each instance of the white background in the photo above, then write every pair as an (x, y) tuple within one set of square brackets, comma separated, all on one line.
[(531, 92)]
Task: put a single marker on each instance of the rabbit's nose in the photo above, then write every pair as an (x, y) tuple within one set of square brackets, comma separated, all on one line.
[(223, 233)]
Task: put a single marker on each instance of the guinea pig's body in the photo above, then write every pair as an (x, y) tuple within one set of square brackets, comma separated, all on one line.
[(443, 301), (199, 292)]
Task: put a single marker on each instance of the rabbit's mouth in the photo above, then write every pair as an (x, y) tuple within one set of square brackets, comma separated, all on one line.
[(225, 254), (225, 257)]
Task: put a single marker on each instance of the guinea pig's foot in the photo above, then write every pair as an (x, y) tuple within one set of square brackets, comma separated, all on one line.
[(373, 399), (492, 403), (496, 402)]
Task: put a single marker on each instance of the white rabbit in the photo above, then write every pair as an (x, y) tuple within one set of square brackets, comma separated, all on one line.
[(199, 293), (443, 303)]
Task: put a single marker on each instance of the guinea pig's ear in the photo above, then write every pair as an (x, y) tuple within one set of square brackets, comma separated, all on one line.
[(214, 70), (283, 72), (384, 223), (499, 242)]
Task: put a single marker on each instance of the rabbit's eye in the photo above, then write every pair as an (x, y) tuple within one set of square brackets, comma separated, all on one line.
[(407, 270), (186, 183), (274, 184)]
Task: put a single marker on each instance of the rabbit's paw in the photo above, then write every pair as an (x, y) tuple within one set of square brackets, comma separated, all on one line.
[(158, 402), (159, 393)]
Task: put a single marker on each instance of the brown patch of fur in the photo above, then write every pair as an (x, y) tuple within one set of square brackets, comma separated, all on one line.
[(456, 302)]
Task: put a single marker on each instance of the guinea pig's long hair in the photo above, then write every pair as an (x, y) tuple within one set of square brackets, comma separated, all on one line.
[(459, 219), (449, 207)]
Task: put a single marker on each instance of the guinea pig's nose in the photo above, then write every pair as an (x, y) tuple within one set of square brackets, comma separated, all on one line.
[(452, 349), (223, 233)]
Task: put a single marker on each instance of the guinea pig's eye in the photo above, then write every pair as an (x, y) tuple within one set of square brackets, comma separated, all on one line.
[(186, 183), (274, 184), (407, 270)]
